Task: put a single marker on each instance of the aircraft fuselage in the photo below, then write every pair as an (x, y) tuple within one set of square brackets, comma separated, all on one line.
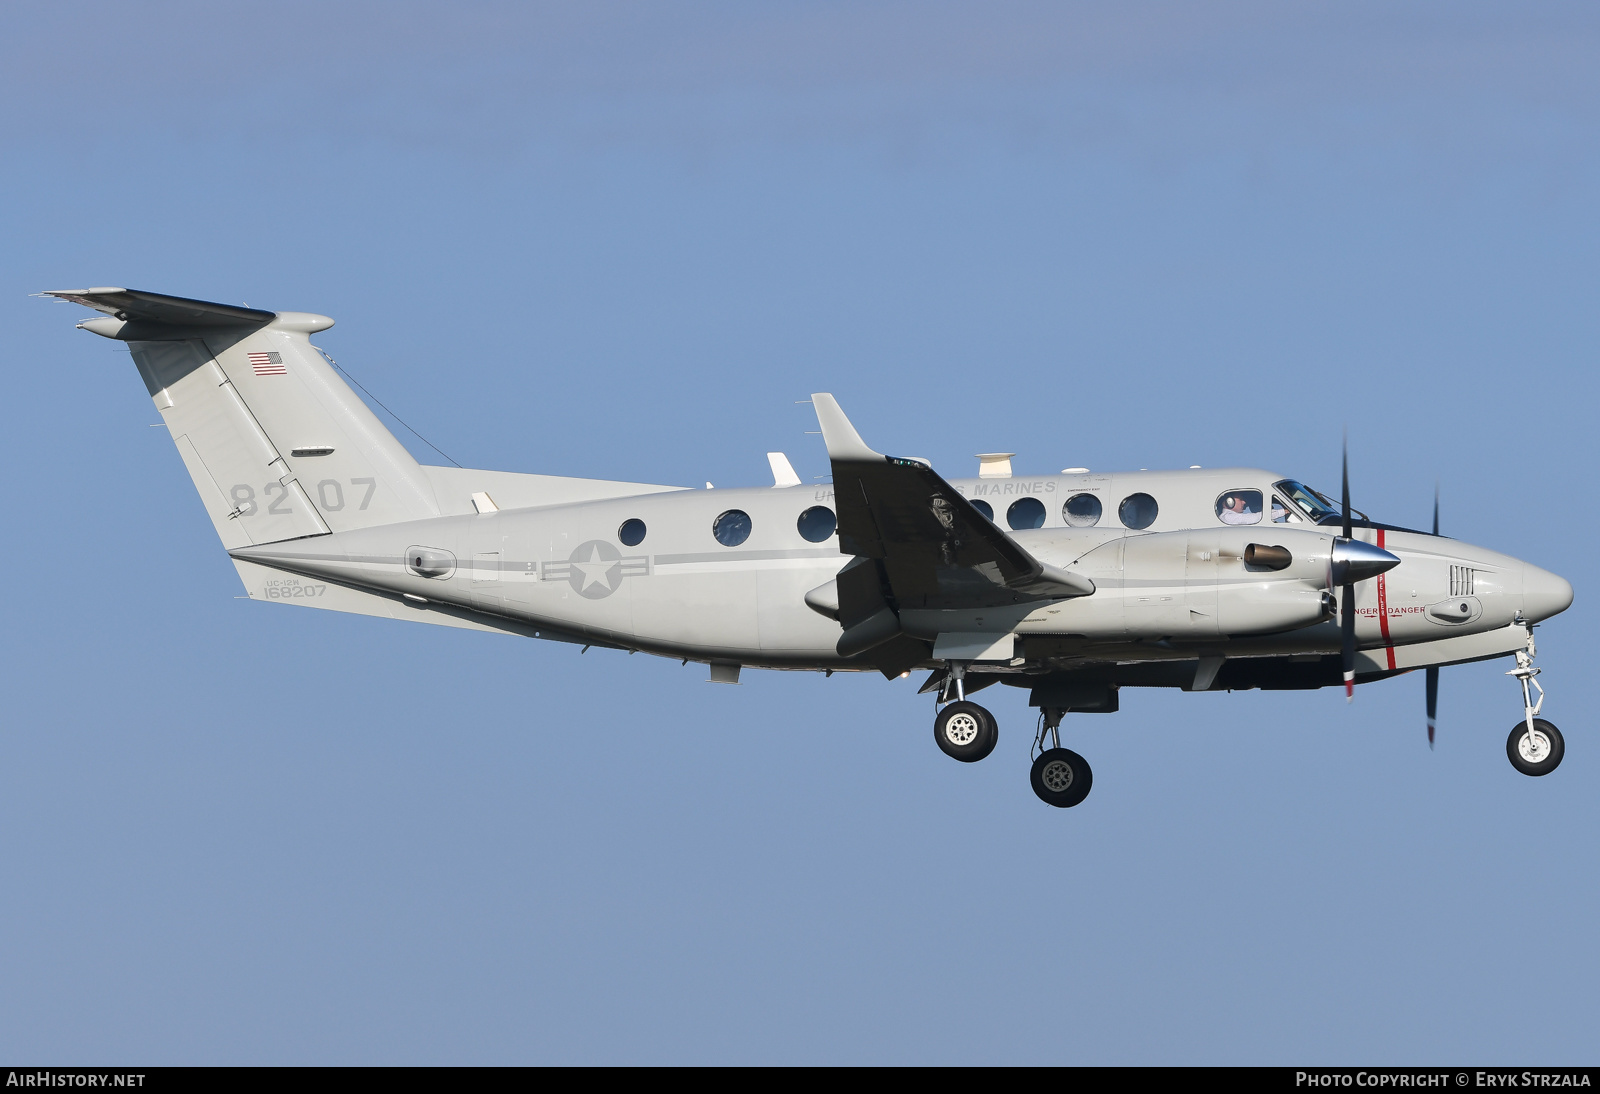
[(1176, 589)]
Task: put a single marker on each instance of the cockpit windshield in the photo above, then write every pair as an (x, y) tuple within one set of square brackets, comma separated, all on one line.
[(1317, 507)]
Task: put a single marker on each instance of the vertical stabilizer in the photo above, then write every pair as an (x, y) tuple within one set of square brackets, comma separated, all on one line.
[(277, 444)]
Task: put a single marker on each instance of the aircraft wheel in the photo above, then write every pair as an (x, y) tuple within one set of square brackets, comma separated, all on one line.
[(1536, 753), (993, 737), (965, 731), (1061, 777)]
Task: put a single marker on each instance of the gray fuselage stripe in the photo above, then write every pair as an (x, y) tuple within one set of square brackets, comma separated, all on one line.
[(479, 564), (747, 556)]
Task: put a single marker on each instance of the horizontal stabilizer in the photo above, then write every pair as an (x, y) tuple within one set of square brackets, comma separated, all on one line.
[(138, 306)]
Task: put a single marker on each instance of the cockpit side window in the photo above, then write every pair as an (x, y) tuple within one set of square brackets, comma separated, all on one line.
[(1239, 507), (1284, 513), (1311, 503)]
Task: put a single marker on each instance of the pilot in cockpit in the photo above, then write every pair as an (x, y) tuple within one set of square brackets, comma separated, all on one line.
[(1239, 507)]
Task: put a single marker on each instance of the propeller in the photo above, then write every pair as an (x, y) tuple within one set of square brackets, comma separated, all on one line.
[(1353, 560), (1347, 595), (1433, 670)]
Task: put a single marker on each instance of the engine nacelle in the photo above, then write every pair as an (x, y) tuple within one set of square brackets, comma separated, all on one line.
[(1198, 583)]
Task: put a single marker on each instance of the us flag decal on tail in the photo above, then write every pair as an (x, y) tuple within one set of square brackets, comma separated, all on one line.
[(268, 364)]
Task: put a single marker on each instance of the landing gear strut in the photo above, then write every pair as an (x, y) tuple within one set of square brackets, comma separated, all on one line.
[(1535, 746), (965, 731), (1060, 776)]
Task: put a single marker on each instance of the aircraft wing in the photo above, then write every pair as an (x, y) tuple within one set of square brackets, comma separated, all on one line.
[(934, 549)]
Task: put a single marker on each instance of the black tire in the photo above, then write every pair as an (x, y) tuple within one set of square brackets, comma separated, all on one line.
[(992, 738), (965, 731), (1551, 760), (1061, 777)]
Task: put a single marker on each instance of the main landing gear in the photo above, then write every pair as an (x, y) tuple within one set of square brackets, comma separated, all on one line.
[(967, 732), (1060, 776), (1535, 746)]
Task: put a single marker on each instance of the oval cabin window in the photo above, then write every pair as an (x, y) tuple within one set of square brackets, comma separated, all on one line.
[(731, 528), (1138, 511), (632, 532), (1026, 513), (1081, 511), (817, 524), (1239, 507)]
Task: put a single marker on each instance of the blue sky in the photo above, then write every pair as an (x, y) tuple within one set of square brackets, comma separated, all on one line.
[(621, 241)]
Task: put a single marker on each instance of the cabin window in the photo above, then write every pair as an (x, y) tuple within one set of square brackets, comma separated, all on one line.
[(983, 507), (731, 528), (1138, 511), (1239, 507), (1081, 511), (817, 524), (1026, 513), (632, 532)]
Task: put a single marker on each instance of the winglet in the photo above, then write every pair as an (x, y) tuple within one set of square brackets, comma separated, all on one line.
[(843, 442)]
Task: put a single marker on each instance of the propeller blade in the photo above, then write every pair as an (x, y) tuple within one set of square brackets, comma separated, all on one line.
[(1433, 700), (1344, 491), (1347, 644), (1347, 605), (1433, 672)]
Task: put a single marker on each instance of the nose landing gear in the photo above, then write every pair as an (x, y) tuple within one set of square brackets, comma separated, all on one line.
[(1535, 746)]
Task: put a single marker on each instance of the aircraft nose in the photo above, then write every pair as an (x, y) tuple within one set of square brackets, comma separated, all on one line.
[(1544, 594)]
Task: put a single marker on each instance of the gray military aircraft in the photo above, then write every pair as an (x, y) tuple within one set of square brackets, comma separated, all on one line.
[(1200, 579)]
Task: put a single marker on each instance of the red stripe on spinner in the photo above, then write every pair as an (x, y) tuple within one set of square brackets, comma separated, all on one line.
[(1383, 607)]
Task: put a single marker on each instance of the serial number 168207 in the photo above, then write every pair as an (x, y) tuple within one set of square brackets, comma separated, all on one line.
[(284, 590)]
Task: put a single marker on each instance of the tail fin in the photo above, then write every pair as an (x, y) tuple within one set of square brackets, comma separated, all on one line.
[(278, 445)]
